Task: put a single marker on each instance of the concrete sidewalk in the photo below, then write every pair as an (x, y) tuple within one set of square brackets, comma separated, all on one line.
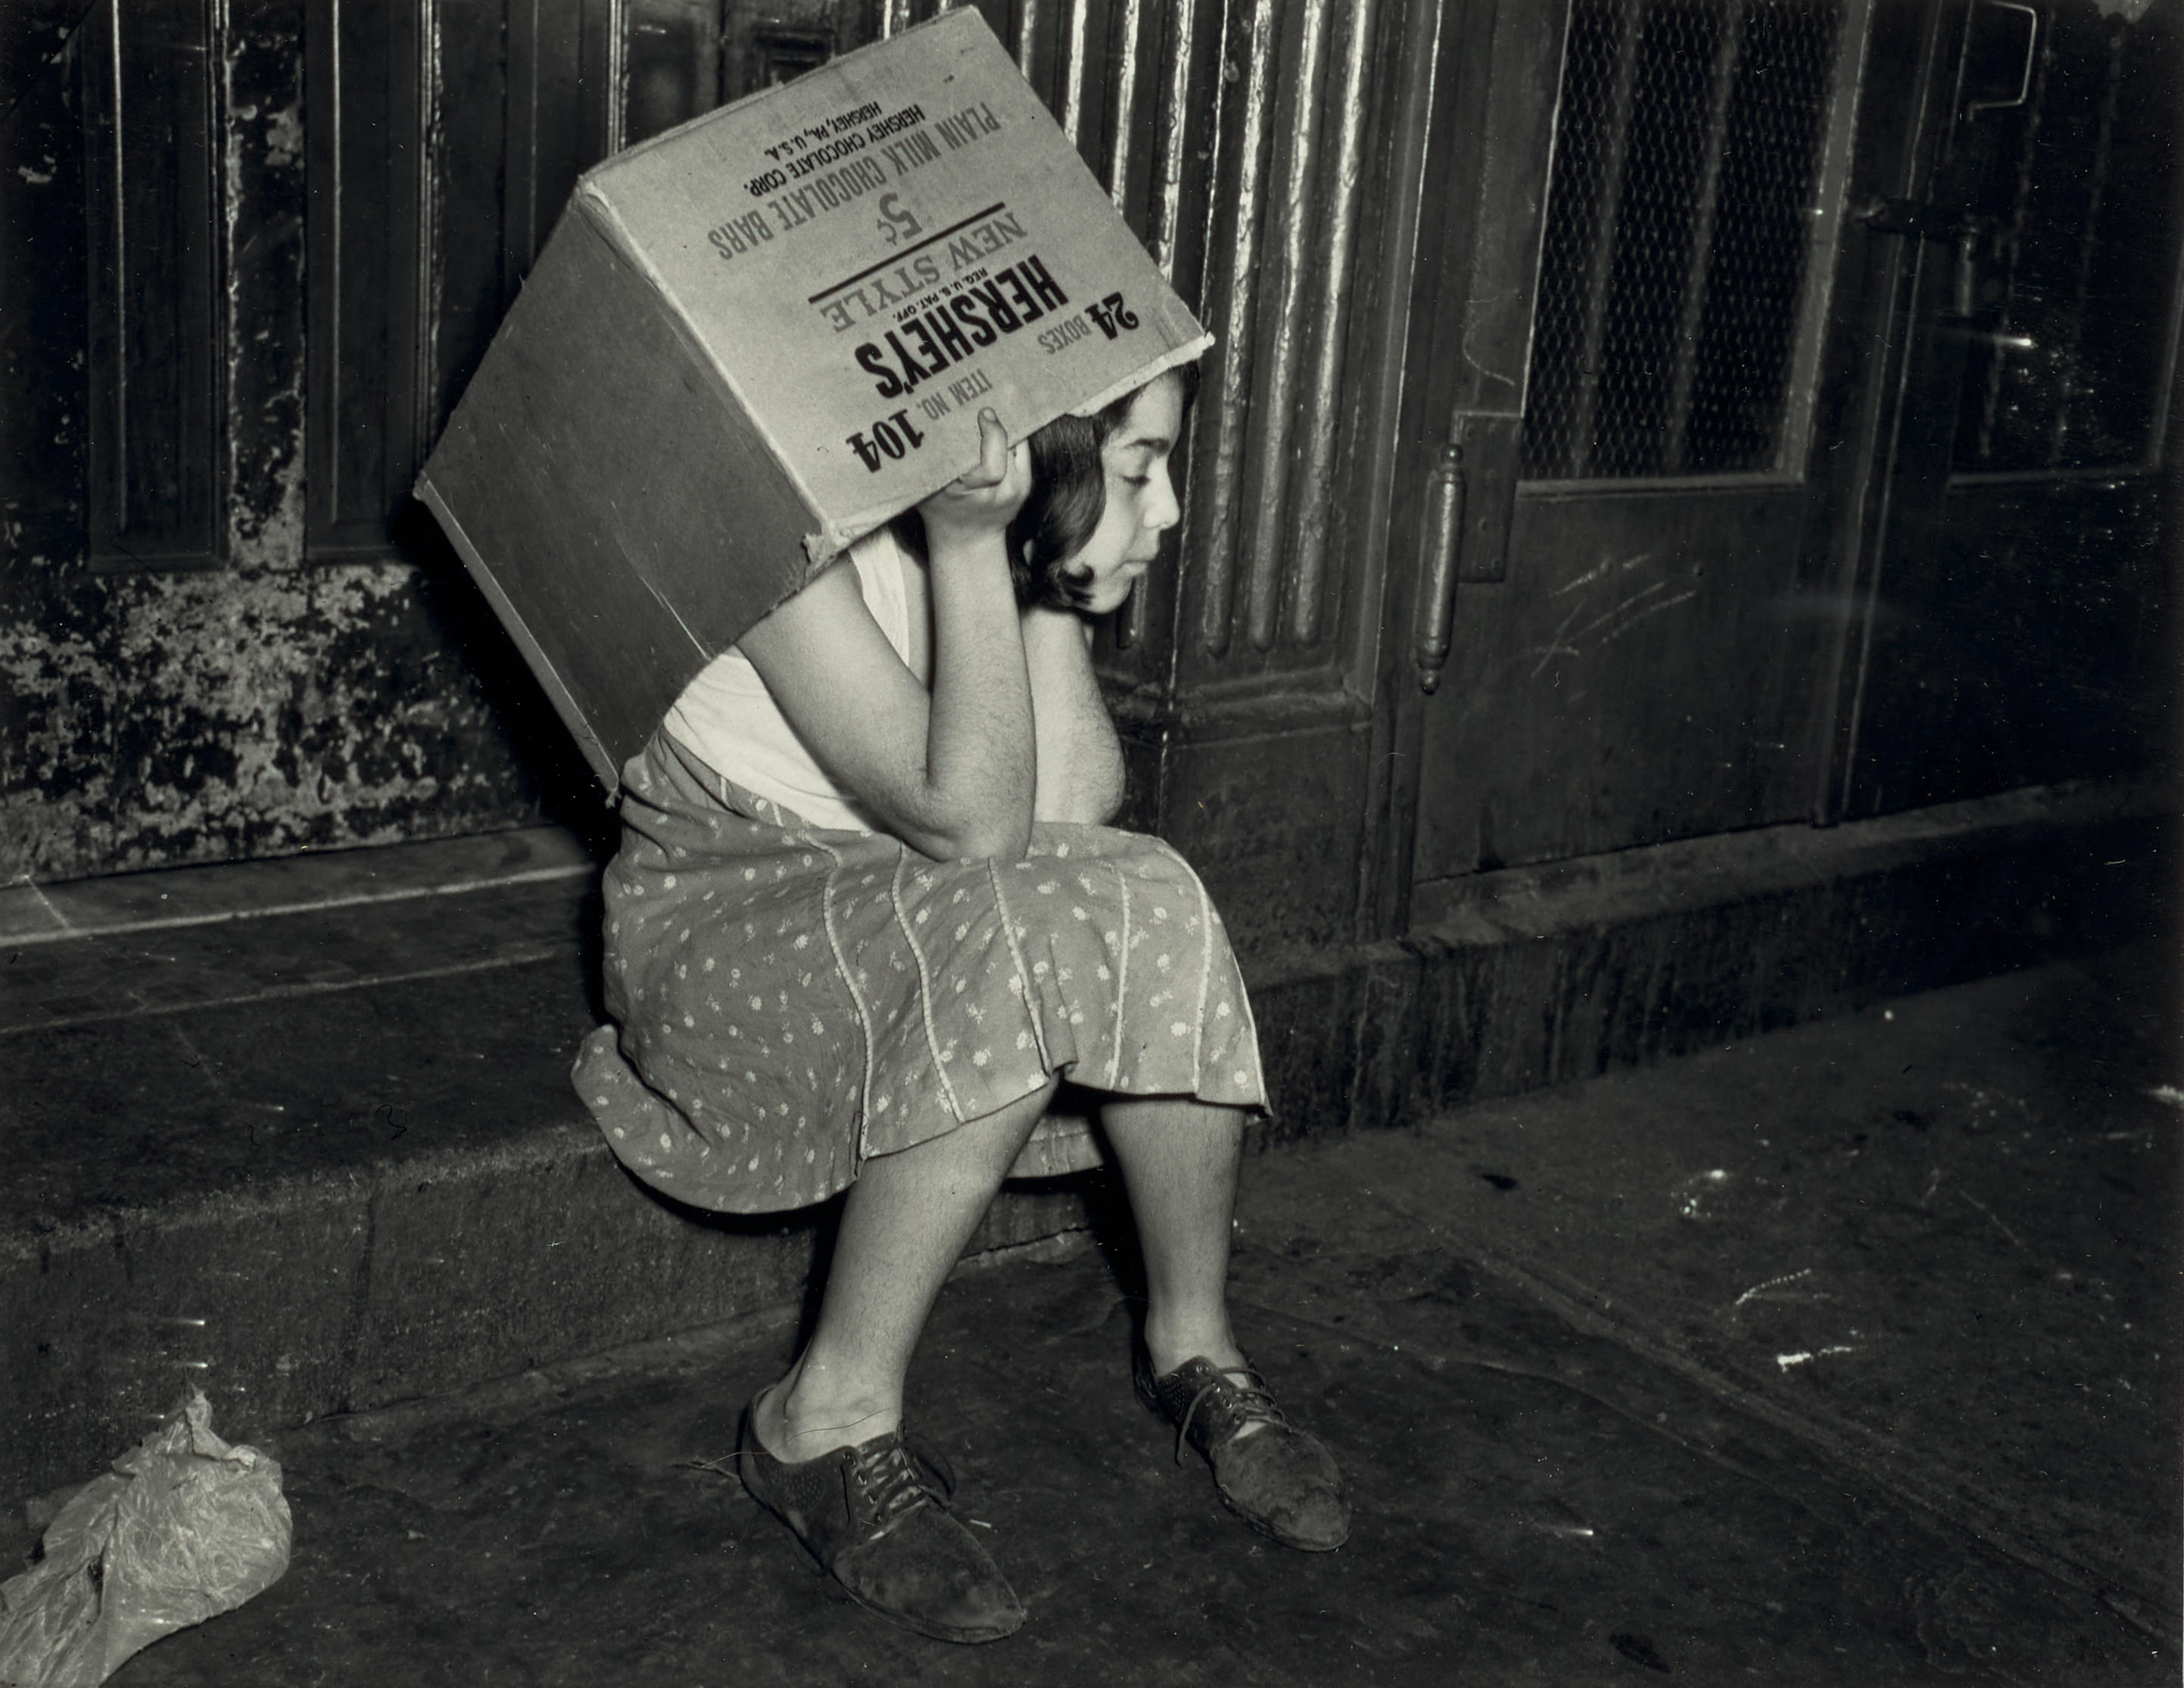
[(1846, 1355), (308, 1122)]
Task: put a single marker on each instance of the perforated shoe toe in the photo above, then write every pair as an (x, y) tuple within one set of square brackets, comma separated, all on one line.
[(1270, 1474), (875, 1519)]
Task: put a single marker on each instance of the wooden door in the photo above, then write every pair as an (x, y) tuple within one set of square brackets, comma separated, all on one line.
[(1640, 401), (2009, 628)]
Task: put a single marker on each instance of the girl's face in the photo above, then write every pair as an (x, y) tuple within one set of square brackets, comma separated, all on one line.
[(1141, 503)]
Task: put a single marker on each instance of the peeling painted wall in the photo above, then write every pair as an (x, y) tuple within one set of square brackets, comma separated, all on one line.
[(164, 719), (225, 342), (249, 701), (292, 675)]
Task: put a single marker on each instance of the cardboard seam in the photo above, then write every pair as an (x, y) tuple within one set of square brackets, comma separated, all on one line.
[(550, 677), (1188, 352)]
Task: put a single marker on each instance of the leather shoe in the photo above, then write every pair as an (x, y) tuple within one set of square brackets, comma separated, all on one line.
[(876, 1520), (1277, 1479)]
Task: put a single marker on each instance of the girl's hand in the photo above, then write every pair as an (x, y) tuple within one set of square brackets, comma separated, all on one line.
[(983, 501), (949, 770)]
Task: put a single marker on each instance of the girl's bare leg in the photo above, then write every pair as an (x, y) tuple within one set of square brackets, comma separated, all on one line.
[(1179, 1159), (903, 1226)]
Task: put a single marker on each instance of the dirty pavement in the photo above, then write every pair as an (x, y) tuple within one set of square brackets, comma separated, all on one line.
[(1844, 1354)]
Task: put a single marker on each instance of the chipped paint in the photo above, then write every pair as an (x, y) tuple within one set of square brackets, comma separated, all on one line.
[(272, 705), (259, 537), (264, 209), (195, 717), (284, 135)]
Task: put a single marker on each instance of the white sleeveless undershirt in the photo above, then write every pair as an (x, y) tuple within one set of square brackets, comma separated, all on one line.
[(727, 719)]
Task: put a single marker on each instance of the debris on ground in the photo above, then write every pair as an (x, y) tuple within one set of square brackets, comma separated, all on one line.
[(183, 1528)]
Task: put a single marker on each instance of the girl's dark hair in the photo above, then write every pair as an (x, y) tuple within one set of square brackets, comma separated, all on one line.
[(1067, 498)]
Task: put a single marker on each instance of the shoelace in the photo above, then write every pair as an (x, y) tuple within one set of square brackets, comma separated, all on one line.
[(1256, 1404), (895, 1485)]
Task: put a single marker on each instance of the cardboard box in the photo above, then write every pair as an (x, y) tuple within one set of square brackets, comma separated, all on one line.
[(756, 338)]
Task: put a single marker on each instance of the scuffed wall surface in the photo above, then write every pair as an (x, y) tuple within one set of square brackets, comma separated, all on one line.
[(252, 705), (263, 169), (174, 718)]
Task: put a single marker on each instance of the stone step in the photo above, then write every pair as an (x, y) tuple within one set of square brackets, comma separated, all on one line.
[(301, 1130)]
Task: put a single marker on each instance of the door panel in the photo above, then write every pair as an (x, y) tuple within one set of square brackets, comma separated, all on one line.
[(1644, 667), (1643, 676), (154, 343), (2014, 626), (1680, 245)]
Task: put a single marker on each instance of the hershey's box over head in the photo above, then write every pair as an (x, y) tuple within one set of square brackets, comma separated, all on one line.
[(756, 338)]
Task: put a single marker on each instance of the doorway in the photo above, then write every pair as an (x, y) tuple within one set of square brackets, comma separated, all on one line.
[(2010, 623), (1694, 586)]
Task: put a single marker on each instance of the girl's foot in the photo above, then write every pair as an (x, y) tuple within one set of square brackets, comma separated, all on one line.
[(876, 1519), (1270, 1474)]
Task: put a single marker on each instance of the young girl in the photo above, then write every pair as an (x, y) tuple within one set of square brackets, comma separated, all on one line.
[(866, 918)]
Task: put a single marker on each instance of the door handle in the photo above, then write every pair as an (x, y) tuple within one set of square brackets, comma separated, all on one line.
[(1444, 531), (1470, 503), (1974, 108)]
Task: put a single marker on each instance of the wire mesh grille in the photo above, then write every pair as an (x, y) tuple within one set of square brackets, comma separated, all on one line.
[(2075, 293), (1679, 233)]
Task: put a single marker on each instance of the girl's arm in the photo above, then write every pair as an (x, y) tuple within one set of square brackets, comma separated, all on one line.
[(950, 772), (1080, 760)]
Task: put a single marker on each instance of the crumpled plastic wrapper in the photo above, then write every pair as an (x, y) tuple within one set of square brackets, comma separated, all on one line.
[(183, 1528)]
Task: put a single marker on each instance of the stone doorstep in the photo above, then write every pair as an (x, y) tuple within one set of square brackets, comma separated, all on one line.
[(219, 892), (1531, 977), (340, 1293), (409, 1272)]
